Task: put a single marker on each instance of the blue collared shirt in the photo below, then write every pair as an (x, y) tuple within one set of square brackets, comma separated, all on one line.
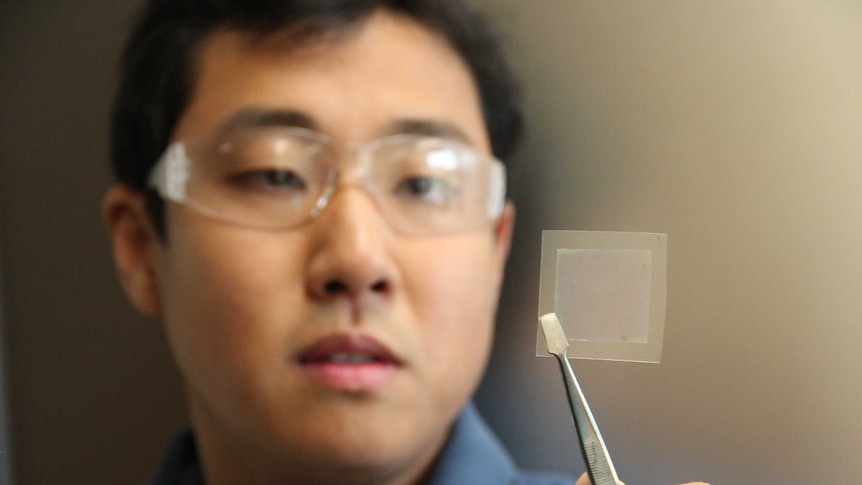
[(472, 456)]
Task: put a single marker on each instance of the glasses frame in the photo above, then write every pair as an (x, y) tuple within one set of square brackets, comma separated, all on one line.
[(169, 177)]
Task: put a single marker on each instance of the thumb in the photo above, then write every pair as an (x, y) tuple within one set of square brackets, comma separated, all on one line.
[(585, 480)]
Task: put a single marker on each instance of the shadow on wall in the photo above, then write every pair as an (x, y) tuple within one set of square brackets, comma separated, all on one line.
[(5, 460), (82, 368)]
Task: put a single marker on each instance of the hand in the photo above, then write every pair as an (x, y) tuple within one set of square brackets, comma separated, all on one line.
[(585, 480)]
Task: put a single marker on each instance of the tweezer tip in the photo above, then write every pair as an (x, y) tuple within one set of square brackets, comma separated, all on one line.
[(554, 336)]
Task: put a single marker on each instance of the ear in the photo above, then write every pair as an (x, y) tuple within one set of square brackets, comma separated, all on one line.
[(503, 228), (134, 244)]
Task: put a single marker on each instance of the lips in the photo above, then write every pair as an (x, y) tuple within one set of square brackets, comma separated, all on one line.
[(349, 362)]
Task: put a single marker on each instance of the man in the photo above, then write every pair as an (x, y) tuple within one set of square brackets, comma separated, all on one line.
[(309, 199)]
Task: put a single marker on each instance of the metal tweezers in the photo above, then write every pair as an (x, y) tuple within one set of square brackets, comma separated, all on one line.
[(599, 466)]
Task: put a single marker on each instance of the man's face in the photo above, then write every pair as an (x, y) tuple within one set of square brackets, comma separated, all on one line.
[(256, 318)]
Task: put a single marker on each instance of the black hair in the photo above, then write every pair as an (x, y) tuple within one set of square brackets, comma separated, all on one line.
[(158, 70)]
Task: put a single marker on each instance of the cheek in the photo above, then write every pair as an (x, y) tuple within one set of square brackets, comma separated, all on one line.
[(455, 298), (224, 315)]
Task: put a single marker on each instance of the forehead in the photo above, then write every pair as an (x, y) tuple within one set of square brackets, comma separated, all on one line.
[(387, 72)]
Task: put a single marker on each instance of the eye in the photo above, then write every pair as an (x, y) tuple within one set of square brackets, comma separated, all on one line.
[(270, 180), (426, 189)]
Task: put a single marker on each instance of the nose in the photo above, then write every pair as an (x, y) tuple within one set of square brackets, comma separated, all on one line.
[(351, 254)]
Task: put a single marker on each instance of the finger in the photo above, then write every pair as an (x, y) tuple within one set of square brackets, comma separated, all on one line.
[(585, 480)]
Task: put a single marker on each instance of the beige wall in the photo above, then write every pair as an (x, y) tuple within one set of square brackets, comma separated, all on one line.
[(733, 126), (736, 128)]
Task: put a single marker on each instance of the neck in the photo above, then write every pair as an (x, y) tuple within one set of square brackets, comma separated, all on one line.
[(226, 460)]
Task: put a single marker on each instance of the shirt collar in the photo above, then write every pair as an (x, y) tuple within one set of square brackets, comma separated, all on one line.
[(472, 455)]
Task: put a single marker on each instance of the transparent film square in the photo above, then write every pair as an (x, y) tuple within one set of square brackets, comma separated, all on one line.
[(608, 290)]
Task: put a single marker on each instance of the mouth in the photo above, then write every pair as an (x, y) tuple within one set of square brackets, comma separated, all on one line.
[(349, 362)]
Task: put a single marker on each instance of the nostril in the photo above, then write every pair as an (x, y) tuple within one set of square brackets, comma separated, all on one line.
[(335, 287), (380, 287)]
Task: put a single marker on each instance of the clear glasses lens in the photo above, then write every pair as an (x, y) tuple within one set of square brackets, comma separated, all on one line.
[(278, 178), (260, 178), (429, 185)]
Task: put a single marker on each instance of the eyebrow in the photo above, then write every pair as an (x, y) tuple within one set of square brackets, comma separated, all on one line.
[(264, 117), (435, 128), (267, 117)]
